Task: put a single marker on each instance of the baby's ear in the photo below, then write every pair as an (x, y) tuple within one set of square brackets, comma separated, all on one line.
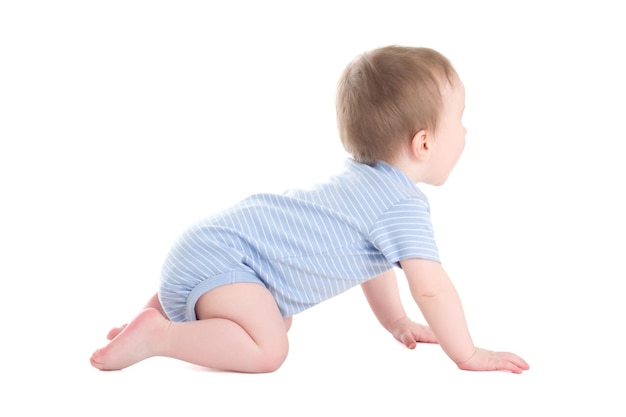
[(420, 145)]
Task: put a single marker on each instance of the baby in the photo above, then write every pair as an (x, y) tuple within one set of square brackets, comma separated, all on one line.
[(232, 282)]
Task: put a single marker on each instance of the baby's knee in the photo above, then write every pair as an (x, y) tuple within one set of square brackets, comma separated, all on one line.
[(273, 356)]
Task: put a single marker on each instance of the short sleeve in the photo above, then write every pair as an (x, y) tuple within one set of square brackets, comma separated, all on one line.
[(405, 231)]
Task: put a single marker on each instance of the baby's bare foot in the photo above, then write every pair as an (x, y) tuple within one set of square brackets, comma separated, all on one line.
[(132, 343)]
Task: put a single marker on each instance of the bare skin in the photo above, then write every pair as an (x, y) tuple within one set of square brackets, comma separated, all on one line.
[(156, 304), (239, 328), (438, 300), (131, 343), (234, 325), (383, 296)]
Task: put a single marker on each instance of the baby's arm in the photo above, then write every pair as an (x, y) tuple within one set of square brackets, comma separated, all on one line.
[(440, 304), (383, 296)]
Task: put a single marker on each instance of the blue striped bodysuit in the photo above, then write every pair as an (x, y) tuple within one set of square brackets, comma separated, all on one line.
[(305, 246)]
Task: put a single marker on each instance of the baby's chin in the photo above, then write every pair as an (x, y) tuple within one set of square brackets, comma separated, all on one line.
[(438, 183)]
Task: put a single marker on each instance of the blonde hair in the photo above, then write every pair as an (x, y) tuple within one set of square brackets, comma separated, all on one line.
[(387, 95)]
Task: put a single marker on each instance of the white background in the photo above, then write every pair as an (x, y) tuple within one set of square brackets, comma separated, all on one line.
[(122, 122)]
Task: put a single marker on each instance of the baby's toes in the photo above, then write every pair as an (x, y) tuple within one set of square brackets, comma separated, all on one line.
[(115, 331)]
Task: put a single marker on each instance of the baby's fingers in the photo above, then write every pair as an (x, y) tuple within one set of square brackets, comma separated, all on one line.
[(517, 363), (485, 360), (511, 363), (410, 333), (408, 339)]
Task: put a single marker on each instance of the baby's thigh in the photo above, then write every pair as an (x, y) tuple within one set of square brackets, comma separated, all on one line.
[(251, 306)]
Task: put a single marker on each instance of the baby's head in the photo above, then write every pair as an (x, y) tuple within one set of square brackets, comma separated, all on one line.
[(387, 95)]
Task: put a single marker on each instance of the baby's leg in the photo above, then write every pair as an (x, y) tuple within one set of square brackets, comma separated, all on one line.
[(239, 328), (288, 321), (252, 336), (155, 303)]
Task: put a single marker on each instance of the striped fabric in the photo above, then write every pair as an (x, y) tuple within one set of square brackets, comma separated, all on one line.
[(306, 245)]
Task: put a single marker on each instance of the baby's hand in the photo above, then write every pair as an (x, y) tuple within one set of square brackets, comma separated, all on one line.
[(486, 360), (410, 333)]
